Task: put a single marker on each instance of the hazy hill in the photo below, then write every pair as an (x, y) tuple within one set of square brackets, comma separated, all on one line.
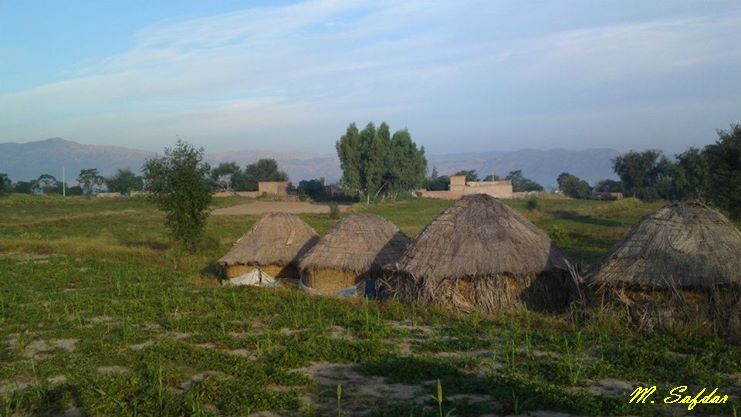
[(24, 161)]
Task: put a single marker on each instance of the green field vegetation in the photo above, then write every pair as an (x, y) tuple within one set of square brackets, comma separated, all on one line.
[(102, 315)]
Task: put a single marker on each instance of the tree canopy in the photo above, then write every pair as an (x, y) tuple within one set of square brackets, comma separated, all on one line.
[(377, 164), (573, 186), (124, 181), (88, 179), (262, 170), (471, 175), (522, 184), (723, 163), (178, 183)]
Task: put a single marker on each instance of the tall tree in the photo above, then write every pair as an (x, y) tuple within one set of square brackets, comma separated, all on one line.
[(376, 164), (407, 164), (724, 171), (178, 183), (88, 179), (492, 177), (124, 181), (573, 186), (522, 184)]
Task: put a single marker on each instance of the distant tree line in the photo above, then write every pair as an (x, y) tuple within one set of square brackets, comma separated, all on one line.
[(89, 182), (711, 174), (228, 176)]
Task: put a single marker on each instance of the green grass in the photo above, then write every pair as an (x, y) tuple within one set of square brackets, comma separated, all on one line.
[(124, 322)]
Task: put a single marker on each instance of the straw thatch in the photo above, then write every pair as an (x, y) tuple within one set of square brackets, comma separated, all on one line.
[(274, 245), (679, 265), (481, 254), (354, 250)]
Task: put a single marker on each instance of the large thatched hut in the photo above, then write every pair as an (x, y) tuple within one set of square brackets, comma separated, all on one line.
[(351, 254), (678, 265), (270, 249), (480, 254)]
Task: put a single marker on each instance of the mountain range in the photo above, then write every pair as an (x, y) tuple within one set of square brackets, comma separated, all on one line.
[(25, 161)]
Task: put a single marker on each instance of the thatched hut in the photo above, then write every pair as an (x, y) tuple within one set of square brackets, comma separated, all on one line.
[(480, 254), (270, 249), (352, 253), (679, 265)]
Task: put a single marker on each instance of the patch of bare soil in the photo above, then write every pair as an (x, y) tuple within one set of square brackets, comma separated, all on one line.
[(142, 345), (610, 386), (115, 369), (408, 326), (360, 393), (11, 386), (262, 207), (200, 377), (39, 347)]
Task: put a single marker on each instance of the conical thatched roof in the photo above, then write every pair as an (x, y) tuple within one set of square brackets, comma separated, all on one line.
[(682, 245), (358, 243), (275, 239), (479, 236)]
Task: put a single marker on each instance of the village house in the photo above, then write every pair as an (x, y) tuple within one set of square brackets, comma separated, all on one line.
[(460, 187)]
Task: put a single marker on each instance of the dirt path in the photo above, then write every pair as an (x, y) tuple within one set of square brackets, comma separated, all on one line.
[(261, 207)]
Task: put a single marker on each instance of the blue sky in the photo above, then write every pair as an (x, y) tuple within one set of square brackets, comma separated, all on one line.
[(461, 75)]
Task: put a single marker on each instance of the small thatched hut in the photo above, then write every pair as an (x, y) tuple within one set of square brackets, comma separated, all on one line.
[(352, 253), (270, 249), (679, 265), (480, 254)]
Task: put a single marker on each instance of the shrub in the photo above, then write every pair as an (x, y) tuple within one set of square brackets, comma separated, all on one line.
[(531, 204)]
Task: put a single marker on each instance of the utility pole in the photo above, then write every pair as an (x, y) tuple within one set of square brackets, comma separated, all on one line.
[(64, 184)]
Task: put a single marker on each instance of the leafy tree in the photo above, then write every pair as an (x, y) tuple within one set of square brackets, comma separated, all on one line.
[(492, 177), (223, 175), (376, 164), (640, 172), (46, 184), (436, 182), (23, 187), (314, 189), (262, 170), (521, 184), (75, 190), (88, 179), (609, 186), (724, 171), (124, 181), (573, 186), (5, 185), (692, 174), (470, 175), (178, 183)]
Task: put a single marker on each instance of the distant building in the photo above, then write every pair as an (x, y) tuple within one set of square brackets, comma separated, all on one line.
[(278, 188), (460, 187)]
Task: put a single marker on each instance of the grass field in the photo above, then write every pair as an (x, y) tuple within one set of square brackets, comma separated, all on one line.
[(101, 315)]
